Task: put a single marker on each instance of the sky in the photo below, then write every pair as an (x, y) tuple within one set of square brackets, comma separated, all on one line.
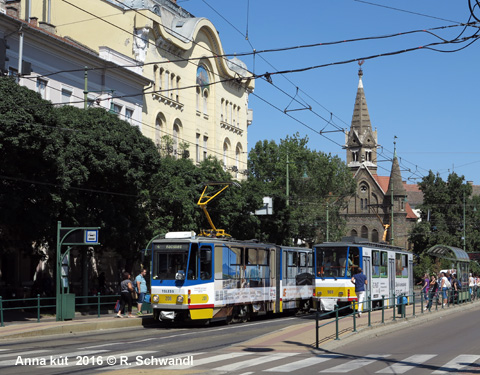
[(427, 99)]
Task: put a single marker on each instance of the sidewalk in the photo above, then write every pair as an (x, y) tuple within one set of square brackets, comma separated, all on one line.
[(302, 337), (29, 327)]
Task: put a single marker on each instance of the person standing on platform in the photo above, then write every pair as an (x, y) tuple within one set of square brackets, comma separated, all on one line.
[(360, 280), (141, 286)]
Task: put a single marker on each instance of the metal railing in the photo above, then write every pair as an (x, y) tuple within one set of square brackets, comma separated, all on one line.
[(99, 304), (395, 307)]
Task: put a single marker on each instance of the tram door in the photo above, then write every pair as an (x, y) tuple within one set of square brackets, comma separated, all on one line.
[(367, 270), (391, 276), (275, 276)]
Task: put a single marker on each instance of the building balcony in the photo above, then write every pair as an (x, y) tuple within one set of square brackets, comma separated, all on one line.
[(168, 101)]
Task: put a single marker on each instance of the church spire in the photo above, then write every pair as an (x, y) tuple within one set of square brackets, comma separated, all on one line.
[(361, 141), (396, 182)]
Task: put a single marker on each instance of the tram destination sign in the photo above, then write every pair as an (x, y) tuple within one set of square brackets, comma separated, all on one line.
[(171, 246)]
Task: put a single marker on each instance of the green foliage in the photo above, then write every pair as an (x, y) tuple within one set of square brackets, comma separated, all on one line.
[(314, 179), (442, 214)]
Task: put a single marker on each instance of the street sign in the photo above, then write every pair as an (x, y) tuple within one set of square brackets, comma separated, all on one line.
[(91, 236)]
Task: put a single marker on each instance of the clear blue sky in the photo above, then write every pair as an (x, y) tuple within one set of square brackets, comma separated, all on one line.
[(427, 99)]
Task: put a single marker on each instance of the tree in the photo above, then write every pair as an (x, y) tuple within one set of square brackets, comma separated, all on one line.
[(442, 214), (313, 177), (29, 144)]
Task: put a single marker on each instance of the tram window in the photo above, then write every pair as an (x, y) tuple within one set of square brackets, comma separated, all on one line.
[(401, 265), (375, 263), (205, 263), (384, 264), (262, 257), (193, 262), (331, 261), (167, 265), (232, 262), (251, 256), (303, 260)]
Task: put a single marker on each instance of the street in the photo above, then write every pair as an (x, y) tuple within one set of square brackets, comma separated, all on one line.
[(445, 345)]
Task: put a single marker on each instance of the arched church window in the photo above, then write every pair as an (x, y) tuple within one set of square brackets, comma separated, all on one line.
[(364, 232)]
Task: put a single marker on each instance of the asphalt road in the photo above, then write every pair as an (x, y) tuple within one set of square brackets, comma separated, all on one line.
[(449, 345), (89, 353)]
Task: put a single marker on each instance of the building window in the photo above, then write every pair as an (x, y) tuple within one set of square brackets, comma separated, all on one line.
[(197, 148), (353, 233), (364, 232), (66, 96), (129, 115), (368, 155), (160, 78), (172, 86), (176, 132), (225, 153), (117, 108), (198, 99), (177, 95), (205, 102), (159, 126), (155, 77), (205, 144), (42, 88), (374, 235), (354, 155), (222, 104)]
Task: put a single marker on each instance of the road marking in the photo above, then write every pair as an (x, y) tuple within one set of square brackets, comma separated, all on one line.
[(255, 361), (457, 363), (203, 361), (356, 363), (406, 364), (289, 367)]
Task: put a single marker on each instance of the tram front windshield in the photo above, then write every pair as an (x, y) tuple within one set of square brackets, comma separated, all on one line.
[(336, 262), (170, 260)]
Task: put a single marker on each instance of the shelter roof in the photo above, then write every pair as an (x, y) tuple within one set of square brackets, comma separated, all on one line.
[(448, 252)]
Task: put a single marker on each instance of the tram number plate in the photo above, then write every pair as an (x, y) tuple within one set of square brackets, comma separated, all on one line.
[(329, 291)]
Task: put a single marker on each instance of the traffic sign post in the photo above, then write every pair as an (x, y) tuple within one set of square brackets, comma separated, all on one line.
[(69, 236)]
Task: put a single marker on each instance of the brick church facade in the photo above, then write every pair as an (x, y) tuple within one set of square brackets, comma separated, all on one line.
[(379, 210)]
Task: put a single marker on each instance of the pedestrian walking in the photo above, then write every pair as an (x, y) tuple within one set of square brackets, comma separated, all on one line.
[(425, 286), (360, 280), (126, 289)]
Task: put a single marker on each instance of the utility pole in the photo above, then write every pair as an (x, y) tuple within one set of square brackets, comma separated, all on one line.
[(288, 184), (392, 207)]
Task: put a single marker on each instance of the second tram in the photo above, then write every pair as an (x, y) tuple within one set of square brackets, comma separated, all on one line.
[(389, 271)]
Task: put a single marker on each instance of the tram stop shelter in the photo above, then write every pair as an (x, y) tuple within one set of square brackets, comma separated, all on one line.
[(459, 260)]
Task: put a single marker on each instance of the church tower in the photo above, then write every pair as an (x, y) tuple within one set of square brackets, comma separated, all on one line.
[(361, 141)]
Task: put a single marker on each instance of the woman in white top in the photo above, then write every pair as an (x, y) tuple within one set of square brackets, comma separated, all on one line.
[(444, 285), (471, 283)]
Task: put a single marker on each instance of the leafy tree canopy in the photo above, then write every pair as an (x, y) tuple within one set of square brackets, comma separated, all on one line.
[(315, 181)]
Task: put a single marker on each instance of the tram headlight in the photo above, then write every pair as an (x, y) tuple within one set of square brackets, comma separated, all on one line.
[(179, 299), (340, 294), (155, 298)]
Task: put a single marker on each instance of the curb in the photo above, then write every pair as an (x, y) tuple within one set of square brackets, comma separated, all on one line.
[(79, 326)]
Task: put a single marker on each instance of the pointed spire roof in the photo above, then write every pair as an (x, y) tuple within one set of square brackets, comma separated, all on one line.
[(361, 117), (396, 182)]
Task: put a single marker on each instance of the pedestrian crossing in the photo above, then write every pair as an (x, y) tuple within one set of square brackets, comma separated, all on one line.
[(239, 362)]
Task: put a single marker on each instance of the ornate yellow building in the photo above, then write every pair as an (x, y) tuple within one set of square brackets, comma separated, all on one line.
[(197, 96)]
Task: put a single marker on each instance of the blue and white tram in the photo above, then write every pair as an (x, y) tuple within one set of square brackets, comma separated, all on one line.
[(389, 271), (197, 278)]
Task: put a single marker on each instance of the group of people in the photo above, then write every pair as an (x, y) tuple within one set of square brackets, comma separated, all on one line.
[(127, 288), (433, 285)]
